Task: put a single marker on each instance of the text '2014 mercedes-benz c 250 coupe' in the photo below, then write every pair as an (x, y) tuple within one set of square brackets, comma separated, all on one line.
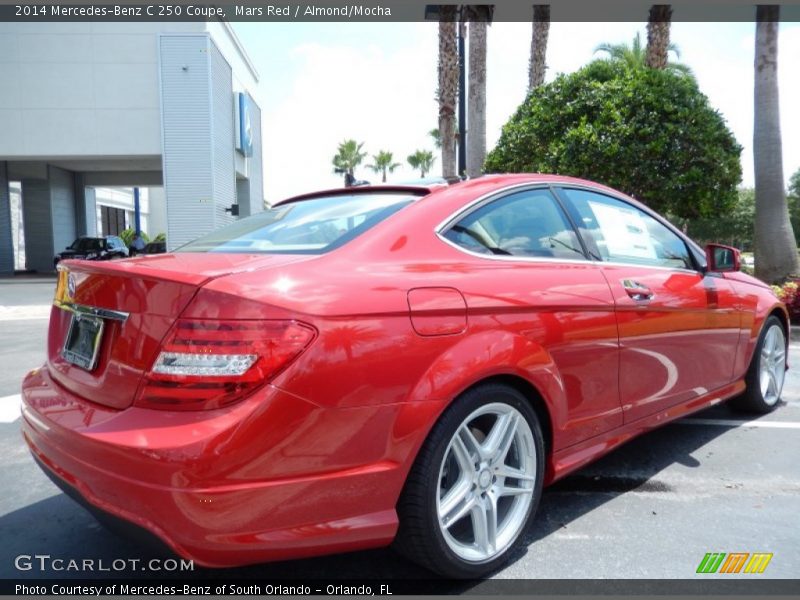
[(375, 365)]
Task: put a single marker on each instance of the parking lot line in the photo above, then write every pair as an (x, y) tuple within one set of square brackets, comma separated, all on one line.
[(735, 423), (25, 312), (9, 408)]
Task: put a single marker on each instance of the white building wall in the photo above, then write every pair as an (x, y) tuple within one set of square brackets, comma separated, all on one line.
[(222, 132), (105, 100), (157, 217), (186, 115), (80, 89)]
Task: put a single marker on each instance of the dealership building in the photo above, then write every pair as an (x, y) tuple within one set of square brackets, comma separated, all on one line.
[(104, 124)]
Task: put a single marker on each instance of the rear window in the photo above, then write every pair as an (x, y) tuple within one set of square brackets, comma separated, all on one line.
[(310, 226), (87, 244)]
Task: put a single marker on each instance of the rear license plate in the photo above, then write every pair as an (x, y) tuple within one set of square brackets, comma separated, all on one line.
[(83, 341)]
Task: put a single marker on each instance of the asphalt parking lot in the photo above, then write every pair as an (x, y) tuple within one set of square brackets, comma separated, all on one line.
[(717, 482)]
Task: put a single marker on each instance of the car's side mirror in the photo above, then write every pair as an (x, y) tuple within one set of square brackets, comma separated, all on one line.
[(722, 259)]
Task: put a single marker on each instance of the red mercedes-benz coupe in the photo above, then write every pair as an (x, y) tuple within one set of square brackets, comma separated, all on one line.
[(388, 364)]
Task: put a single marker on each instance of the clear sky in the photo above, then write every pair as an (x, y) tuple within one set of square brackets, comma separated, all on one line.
[(324, 82)]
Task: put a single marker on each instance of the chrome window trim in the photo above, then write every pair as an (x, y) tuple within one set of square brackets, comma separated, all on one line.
[(82, 309), (479, 202), (568, 261)]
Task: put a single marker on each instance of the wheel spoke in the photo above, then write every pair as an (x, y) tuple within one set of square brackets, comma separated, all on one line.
[(484, 525), (766, 355), (511, 472), (769, 340), (763, 380), (501, 437), (455, 506), (778, 356), (463, 455), (773, 383), (473, 446), (506, 490)]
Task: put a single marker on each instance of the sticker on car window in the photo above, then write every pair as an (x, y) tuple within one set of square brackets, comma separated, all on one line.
[(624, 230)]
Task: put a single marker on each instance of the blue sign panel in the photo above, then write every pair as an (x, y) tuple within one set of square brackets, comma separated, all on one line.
[(245, 125)]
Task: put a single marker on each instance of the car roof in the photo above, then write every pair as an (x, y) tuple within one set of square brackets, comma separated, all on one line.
[(499, 180)]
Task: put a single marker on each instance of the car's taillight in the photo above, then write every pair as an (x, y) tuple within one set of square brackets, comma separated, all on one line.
[(205, 364)]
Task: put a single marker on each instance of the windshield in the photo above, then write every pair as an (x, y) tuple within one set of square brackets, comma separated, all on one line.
[(86, 245), (311, 226)]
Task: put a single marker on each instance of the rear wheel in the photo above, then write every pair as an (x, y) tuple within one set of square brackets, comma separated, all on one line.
[(766, 372), (475, 484)]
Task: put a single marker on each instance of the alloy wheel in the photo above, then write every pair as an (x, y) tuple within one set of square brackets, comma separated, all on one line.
[(772, 366), (486, 482)]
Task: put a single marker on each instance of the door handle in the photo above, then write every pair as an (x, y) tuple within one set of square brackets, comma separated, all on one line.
[(637, 291)]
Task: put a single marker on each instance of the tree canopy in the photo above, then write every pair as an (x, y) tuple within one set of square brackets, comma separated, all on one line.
[(635, 56), (422, 160), (348, 156), (383, 163), (647, 132)]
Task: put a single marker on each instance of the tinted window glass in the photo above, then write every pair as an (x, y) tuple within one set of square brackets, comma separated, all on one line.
[(528, 223), (619, 232), (304, 227), (87, 244)]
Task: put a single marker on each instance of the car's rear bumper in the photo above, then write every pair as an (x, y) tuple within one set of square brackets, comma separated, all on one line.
[(224, 487)]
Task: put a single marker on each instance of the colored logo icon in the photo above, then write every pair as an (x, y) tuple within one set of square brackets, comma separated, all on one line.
[(734, 562)]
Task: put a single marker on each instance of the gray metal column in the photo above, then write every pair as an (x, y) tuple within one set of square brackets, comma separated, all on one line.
[(85, 208), (89, 211), (37, 217), (243, 197), (49, 217), (6, 235)]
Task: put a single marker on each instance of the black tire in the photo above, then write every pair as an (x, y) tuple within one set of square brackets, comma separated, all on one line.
[(420, 537), (753, 400)]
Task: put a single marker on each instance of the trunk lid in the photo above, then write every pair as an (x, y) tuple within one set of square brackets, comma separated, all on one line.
[(135, 301)]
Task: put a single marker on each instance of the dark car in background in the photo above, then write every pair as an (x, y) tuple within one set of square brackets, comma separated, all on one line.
[(155, 248), (94, 248)]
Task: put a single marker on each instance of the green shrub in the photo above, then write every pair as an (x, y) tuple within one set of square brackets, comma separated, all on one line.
[(127, 236), (646, 132)]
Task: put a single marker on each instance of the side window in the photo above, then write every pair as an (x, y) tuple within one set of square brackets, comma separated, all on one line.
[(619, 232), (528, 223)]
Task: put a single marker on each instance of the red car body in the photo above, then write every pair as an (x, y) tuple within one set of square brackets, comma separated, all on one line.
[(398, 322)]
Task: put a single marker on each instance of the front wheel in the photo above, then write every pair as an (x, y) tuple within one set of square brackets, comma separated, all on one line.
[(475, 484), (767, 370)]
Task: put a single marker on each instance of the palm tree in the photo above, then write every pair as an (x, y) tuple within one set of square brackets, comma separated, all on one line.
[(437, 137), (348, 157), (383, 161), (775, 245), (658, 45), (479, 16), (448, 87), (422, 160), (634, 56), (541, 31)]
